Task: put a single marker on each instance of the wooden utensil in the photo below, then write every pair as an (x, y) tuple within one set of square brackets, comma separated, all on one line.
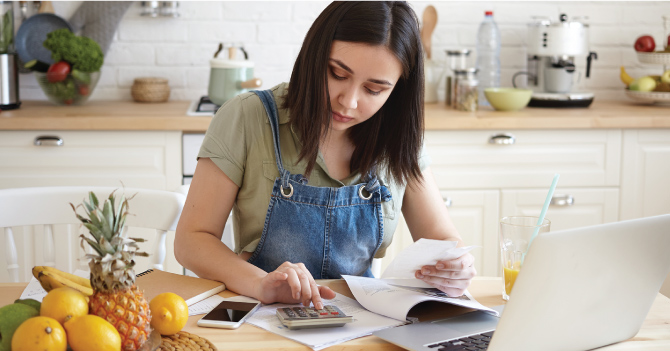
[(46, 7), (429, 23)]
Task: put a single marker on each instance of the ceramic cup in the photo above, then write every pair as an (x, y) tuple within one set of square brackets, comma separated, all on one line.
[(557, 80)]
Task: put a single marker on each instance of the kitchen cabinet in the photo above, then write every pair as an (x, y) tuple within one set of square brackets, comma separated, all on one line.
[(486, 175), (134, 159), (138, 159), (645, 173)]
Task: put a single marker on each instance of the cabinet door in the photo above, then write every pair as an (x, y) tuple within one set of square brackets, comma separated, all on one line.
[(475, 215), (589, 206), (524, 158), (139, 159), (645, 173)]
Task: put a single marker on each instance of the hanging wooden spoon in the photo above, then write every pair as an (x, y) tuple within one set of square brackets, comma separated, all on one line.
[(429, 23)]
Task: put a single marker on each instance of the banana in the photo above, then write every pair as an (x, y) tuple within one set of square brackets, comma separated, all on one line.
[(625, 78), (74, 278), (50, 281)]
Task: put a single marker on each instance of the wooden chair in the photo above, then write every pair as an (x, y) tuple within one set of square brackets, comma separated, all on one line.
[(49, 206)]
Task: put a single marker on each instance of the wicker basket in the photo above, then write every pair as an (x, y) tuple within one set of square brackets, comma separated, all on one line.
[(185, 341), (150, 90)]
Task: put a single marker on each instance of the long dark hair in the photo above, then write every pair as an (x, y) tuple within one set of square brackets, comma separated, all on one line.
[(393, 136)]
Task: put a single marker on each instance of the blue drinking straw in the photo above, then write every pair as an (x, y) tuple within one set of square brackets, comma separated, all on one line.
[(543, 213)]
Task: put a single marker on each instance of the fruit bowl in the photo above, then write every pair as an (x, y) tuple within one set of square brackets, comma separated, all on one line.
[(649, 96), (654, 58), (75, 89)]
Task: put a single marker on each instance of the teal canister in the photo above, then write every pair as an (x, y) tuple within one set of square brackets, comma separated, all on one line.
[(228, 78)]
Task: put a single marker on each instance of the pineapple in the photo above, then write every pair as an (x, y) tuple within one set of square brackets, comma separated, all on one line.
[(115, 296)]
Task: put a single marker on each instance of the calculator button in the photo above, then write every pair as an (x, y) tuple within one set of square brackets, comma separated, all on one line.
[(323, 313), (334, 313)]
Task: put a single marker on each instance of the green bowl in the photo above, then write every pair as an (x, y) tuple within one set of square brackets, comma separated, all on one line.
[(508, 99)]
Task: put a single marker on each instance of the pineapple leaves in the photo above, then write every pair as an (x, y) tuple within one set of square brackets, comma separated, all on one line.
[(93, 200), (105, 223), (92, 243)]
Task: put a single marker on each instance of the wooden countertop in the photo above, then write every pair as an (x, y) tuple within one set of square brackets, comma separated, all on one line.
[(652, 336), (128, 115)]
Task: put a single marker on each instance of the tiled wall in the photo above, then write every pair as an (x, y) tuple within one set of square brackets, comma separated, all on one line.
[(179, 49)]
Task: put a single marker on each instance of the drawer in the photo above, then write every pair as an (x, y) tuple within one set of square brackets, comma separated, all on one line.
[(143, 159), (469, 159), (589, 206)]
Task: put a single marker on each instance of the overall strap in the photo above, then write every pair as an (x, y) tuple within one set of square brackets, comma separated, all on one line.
[(271, 108)]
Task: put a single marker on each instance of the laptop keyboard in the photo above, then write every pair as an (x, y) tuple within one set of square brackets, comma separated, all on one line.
[(476, 342)]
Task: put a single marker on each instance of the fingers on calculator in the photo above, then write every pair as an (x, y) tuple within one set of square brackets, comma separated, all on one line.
[(306, 317)]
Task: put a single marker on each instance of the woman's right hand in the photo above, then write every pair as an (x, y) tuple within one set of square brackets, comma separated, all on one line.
[(292, 283)]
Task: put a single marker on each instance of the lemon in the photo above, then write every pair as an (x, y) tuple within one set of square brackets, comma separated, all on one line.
[(169, 313), (39, 333), (90, 332), (64, 303)]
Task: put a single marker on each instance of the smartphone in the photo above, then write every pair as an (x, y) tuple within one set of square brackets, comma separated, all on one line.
[(228, 314)]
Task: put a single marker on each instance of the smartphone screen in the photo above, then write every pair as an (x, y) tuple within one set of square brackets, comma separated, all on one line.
[(230, 311)]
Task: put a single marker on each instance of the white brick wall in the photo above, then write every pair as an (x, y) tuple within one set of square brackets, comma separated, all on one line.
[(179, 49)]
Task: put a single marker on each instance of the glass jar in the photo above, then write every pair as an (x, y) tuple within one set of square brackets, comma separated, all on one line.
[(456, 60), (466, 94)]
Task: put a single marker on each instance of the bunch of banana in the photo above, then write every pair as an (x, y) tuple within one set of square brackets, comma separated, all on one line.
[(52, 278), (625, 78)]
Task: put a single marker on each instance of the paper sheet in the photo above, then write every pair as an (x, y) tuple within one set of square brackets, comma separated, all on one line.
[(420, 253), (365, 322), (395, 302), (35, 291)]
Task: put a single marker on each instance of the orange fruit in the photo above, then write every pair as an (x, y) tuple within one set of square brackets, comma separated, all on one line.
[(39, 333), (64, 303), (90, 332), (169, 313)]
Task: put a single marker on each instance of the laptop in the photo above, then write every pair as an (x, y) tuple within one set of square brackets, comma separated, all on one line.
[(579, 289)]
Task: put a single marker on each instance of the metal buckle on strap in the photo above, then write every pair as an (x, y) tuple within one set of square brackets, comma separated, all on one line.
[(281, 189), (360, 193)]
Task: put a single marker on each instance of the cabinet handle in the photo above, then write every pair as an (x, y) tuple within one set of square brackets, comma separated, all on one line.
[(562, 200), (447, 201), (502, 139), (48, 140)]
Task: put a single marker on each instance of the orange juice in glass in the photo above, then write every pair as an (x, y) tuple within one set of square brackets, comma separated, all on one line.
[(515, 234)]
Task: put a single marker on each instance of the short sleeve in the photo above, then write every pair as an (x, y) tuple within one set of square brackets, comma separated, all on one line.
[(424, 158), (225, 140)]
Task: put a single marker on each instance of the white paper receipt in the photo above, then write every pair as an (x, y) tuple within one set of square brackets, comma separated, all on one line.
[(421, 253)]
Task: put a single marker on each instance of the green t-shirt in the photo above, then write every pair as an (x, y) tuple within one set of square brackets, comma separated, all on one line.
[(239, 141)]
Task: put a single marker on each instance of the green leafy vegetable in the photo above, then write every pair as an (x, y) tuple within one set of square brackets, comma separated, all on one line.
[(83, 53), (7, 35)]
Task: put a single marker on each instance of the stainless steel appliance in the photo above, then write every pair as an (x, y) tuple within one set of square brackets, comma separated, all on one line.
[(9, 69), (559, 61)]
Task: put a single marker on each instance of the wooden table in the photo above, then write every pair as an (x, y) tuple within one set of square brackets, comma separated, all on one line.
[(654, 334)]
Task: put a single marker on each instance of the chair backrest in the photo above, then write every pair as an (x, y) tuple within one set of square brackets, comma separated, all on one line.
[(48, 206)]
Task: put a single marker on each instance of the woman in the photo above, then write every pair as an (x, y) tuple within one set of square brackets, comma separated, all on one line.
[(316, 171)]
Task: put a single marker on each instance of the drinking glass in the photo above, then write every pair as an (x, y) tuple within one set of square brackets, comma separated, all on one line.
[(515, 235)]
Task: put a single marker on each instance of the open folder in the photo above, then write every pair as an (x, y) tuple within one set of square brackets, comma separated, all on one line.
[(191, 289)]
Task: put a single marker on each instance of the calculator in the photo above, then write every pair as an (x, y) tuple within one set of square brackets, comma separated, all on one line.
[(306, 317)]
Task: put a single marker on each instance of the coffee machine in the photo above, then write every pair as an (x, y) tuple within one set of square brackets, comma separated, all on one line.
[(557, 53)]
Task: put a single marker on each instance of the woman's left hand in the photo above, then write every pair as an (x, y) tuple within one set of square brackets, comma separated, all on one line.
[(452, 277)]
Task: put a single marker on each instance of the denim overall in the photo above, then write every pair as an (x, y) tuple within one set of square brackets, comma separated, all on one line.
[(333, 231)]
